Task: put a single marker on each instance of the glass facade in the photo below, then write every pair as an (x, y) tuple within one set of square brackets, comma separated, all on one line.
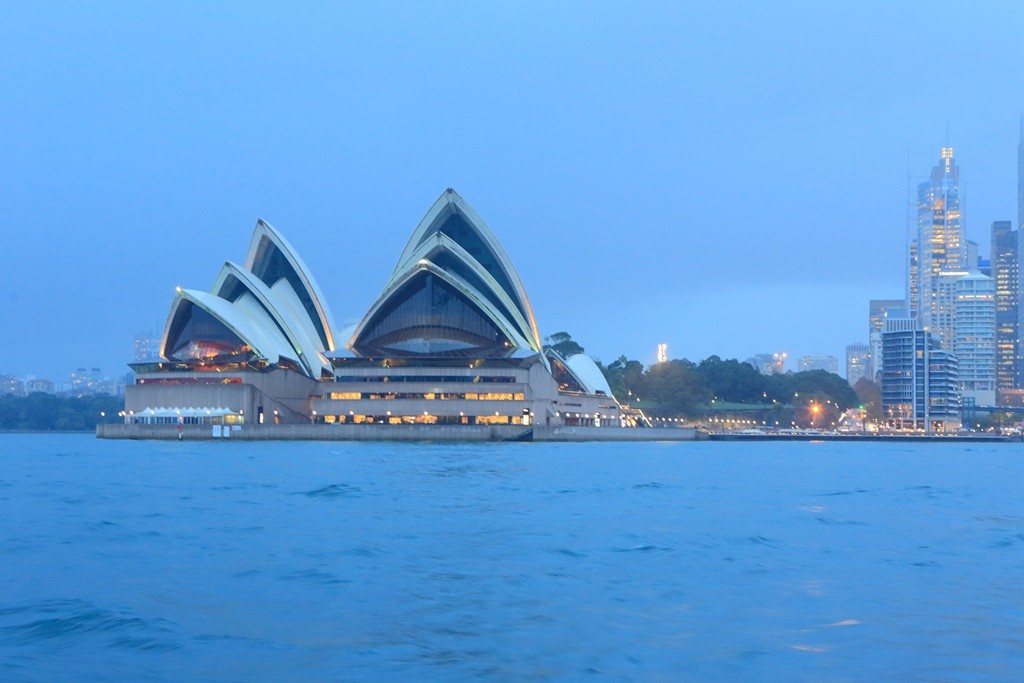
[(195, 335), (940, 245), (919, 380), (429, 317)]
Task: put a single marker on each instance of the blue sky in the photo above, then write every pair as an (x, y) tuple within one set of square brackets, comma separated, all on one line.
[(729, 178)]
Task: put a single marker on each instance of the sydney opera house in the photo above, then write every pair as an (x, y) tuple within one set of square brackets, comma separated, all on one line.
[(451, 346)]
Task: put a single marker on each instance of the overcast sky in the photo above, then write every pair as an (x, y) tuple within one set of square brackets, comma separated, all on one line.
[(729, 178)]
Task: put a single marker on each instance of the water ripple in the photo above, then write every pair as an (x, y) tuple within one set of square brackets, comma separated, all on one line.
[(70, 620), (335, 491)]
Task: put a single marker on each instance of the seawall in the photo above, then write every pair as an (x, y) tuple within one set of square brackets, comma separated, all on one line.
[(379, 432)]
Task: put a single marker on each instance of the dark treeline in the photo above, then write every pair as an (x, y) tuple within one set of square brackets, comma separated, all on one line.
[(46, 412), (687, 388), (684, 388)]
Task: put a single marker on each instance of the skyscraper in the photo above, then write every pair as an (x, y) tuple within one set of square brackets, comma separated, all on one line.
[(939, 245), (1005, 262), (974, 338)]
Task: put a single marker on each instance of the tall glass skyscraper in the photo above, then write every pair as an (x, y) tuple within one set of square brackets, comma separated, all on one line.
[(939, 245), (974, 338), (1005, 273)]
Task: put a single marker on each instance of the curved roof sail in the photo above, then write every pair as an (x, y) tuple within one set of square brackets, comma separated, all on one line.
[(272, 259), (234, 283), (203, 326), (454, 218), (584, 368)]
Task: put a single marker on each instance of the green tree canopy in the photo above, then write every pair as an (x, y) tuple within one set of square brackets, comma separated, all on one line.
[(563, 344), (731, 380), (677, 386)]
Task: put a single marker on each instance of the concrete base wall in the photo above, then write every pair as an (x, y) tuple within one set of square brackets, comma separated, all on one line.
[(542, 433), (381, 432)]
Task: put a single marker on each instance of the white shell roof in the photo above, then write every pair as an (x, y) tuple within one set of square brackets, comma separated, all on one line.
[(586, 371), (265, 234), (247, 320), (451, 202), (285, 317), (507, 306), (295, 325)]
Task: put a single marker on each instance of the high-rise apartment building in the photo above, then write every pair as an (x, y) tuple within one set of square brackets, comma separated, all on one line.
[(1005, 265), (920, 380), (939, 245), (974, 338), (943, 317), (858, 363)]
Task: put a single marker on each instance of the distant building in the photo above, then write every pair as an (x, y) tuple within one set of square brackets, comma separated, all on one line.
[(819, 362), (920, 380), (662, 353), (1005, 265), (974, 338), (35, 385), (11, 385), (146, 346), (858, 363), (878, 311), (768, 363), (87, 381), (972, 262)]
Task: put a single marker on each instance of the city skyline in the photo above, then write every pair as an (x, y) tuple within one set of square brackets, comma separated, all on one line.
[(717, 176)]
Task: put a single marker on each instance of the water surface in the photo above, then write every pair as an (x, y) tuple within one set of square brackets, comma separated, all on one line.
[(167, 561)]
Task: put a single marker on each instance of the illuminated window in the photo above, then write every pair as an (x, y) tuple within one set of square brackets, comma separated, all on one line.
[(345, 395)]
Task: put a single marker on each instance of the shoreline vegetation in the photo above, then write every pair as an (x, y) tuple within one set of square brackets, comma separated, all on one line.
[(39, 412)]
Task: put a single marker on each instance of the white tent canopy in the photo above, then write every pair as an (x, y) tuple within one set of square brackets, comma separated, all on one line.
[(187, 412)]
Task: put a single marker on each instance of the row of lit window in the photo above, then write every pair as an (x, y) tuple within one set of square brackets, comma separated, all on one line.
[(427, 396), (476, 379), (426, 419), (192, 380)]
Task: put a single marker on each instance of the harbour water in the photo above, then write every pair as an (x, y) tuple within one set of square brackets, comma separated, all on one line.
[(227, 561)]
